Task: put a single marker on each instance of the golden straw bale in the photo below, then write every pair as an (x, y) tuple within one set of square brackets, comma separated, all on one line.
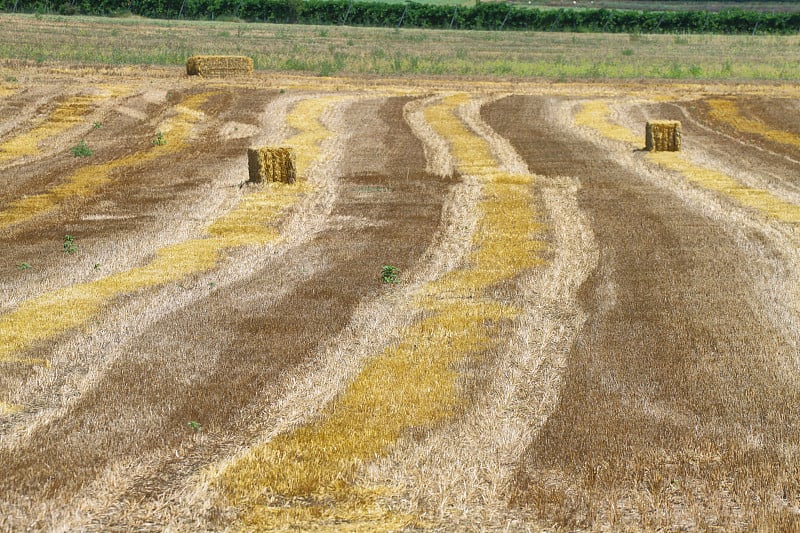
[(272, 164), (219, 66), (663, 136)]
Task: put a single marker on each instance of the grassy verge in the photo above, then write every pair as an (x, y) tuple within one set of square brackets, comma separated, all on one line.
[(327, 50)]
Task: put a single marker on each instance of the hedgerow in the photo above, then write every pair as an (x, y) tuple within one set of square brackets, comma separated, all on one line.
[(481, 16)]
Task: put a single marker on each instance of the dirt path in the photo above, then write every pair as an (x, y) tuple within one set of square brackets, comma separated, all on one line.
[(224, 356), (676, 404)]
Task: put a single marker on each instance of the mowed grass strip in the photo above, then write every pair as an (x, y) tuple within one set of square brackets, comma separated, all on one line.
[(597, 115), (69, 113), (727, 110), (307, 478), (86, 180), (251, 222)]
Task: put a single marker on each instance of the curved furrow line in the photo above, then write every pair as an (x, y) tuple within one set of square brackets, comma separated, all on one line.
[(729, 111), (707, 143), (69, 114), (251, 222), (596, 115), (462, 472), (207, 373), (678, 360), (308, 477), (386, 211), (350, 247), (144, 207), (88, 179)]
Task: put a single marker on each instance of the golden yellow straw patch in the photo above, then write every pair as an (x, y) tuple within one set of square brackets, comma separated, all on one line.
[(728, 111), (250, 223), (6, 90), (596, 115), (305, 479), (85, 181), (68, 114), (9, 409)]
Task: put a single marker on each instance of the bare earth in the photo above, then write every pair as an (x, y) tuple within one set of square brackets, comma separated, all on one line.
[(640, 372)]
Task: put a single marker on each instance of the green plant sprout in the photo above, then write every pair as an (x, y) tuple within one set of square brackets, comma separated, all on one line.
[(390, 274), (69, 244), (81, 150)]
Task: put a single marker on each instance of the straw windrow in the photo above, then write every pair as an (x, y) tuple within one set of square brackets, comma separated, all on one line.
[(66, 115)]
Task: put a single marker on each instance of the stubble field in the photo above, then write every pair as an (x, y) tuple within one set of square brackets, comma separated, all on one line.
[(584, 336)]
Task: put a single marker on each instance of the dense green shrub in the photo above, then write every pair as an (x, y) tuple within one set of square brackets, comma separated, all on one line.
[(483, 15)]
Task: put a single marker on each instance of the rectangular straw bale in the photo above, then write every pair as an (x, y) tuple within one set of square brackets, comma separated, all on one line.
[(663, 136), (272, 164), (219, 66)]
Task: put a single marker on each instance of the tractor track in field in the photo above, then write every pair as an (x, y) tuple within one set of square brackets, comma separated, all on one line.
[(376, 219), (675, 338)]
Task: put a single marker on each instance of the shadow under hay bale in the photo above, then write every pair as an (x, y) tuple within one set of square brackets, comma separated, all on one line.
[(271, 164), (219, 66), (663, 136)]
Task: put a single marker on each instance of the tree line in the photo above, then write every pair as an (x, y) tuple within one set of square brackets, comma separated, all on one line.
[(481, 16)]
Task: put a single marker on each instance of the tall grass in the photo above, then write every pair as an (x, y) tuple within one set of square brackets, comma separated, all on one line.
[(350, 50)]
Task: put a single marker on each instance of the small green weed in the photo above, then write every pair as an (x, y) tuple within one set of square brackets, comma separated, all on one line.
[(159, 139), (196, 426), (24, 266), (69, 244), (97, 125), (627, 52), (390, 274), (81, 150)]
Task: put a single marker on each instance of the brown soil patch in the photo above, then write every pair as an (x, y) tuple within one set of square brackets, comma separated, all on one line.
[(674, 407)]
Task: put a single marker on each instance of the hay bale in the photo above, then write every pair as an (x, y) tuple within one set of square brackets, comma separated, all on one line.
[(219, 66), (663, 136), (271, 164)]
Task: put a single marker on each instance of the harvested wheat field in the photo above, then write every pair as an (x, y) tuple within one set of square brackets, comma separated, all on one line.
[(480, 305)]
